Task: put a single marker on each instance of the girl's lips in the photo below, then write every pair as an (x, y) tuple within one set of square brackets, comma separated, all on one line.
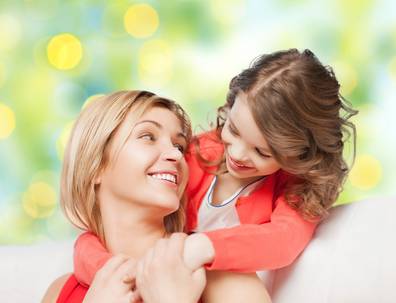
[(237, 166)]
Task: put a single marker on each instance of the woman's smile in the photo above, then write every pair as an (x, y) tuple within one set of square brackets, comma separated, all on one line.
[(170, 178)]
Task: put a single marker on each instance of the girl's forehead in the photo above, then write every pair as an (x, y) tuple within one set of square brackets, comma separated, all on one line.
[(242, 119)]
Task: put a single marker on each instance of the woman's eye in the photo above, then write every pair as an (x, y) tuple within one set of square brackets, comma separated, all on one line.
[(261, 154), (148, 136), (180, 148)]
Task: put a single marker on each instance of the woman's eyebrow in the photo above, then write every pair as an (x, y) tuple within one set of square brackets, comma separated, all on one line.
[(151, 121), (179, 134), (265, 149)]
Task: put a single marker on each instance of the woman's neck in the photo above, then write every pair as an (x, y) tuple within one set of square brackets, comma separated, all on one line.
[(130, 231)]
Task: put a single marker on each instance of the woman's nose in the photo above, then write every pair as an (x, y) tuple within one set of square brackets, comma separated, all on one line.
[(172, 154)]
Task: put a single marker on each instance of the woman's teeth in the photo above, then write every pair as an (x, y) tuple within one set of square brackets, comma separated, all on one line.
[(167, 177)]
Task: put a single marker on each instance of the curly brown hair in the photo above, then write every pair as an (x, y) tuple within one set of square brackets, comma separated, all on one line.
[(296, 103)]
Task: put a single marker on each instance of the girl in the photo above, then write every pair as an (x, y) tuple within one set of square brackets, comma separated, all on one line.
[(123, 178), (268, 171)]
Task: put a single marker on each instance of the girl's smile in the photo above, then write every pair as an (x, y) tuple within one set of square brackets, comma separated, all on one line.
[(238, 166), (247, 152)]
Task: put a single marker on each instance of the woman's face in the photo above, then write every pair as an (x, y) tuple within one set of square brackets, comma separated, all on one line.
[(150, 170), (247, 153)]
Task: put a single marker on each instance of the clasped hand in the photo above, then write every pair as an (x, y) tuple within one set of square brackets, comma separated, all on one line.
[(160, 276)]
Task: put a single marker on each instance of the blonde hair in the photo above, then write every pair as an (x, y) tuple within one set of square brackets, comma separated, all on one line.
[(88, 152)]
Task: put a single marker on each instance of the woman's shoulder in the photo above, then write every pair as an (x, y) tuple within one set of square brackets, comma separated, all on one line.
[(55, 288)]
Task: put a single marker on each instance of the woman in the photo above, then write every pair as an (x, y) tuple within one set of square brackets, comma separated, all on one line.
[(123, 178)]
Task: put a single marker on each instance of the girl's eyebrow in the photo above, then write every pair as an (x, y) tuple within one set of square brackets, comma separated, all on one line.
[(265, 149), (158, 125)]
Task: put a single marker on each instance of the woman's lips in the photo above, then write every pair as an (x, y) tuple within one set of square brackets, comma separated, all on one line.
[(237, 166)]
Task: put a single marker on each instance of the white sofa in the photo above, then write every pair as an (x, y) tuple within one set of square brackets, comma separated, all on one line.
[(351, 258)]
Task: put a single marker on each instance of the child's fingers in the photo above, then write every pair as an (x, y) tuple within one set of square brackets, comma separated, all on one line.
[(136, 297), (114, 263), (129, 277), (176, 244), (159, 249)]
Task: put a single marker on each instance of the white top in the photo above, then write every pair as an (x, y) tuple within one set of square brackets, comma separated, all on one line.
[(211, 217)]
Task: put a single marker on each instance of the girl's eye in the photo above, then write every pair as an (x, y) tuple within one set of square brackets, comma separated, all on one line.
[(148, 136), (180, 148), (261, 154), (232, 131)]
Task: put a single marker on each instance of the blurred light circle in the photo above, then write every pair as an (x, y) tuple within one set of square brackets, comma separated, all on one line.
[(346, 76), (155, 46), (366, 172), (92, 98), (154, 81), (7, 121), (42, 9), (30, 205), (112, 20), (391, 69), (43, 194), (10, 32), (14, 211), (228, 11), (58, 225), (68, 99), (35, 209), (47, 176), (141, 20), (369, 122), (155, 65), (83, 66), (64, 51), (62, 140), (40, 54), (3, 74)]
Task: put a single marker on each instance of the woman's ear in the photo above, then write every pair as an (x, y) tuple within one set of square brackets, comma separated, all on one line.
[(98, 178)]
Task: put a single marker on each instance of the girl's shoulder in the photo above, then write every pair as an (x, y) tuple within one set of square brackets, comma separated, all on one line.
[(284, 181), (208, 144)]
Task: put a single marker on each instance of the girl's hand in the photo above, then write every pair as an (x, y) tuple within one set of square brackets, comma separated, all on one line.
[(108, 285), (198, 251), (162, 276)]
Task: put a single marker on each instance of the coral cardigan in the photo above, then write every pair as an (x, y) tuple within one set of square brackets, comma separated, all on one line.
[(271, 234)]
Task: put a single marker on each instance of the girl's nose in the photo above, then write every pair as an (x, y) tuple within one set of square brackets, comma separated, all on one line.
[(238, 152)]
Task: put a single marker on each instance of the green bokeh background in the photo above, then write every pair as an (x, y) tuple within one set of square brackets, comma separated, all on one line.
[(198, 46)]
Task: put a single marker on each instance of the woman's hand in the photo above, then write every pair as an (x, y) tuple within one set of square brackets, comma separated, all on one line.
[(109, 286), (162, 276), (198, 251)]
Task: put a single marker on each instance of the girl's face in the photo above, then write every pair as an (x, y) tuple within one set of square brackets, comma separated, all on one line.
[(247, 153), (150, 170)]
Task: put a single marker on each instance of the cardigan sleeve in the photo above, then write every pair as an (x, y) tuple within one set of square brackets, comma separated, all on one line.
[(89, 257), (253, 247)]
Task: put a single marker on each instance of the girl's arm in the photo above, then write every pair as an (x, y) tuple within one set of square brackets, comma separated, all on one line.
[(89, 257), (252, 247)]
